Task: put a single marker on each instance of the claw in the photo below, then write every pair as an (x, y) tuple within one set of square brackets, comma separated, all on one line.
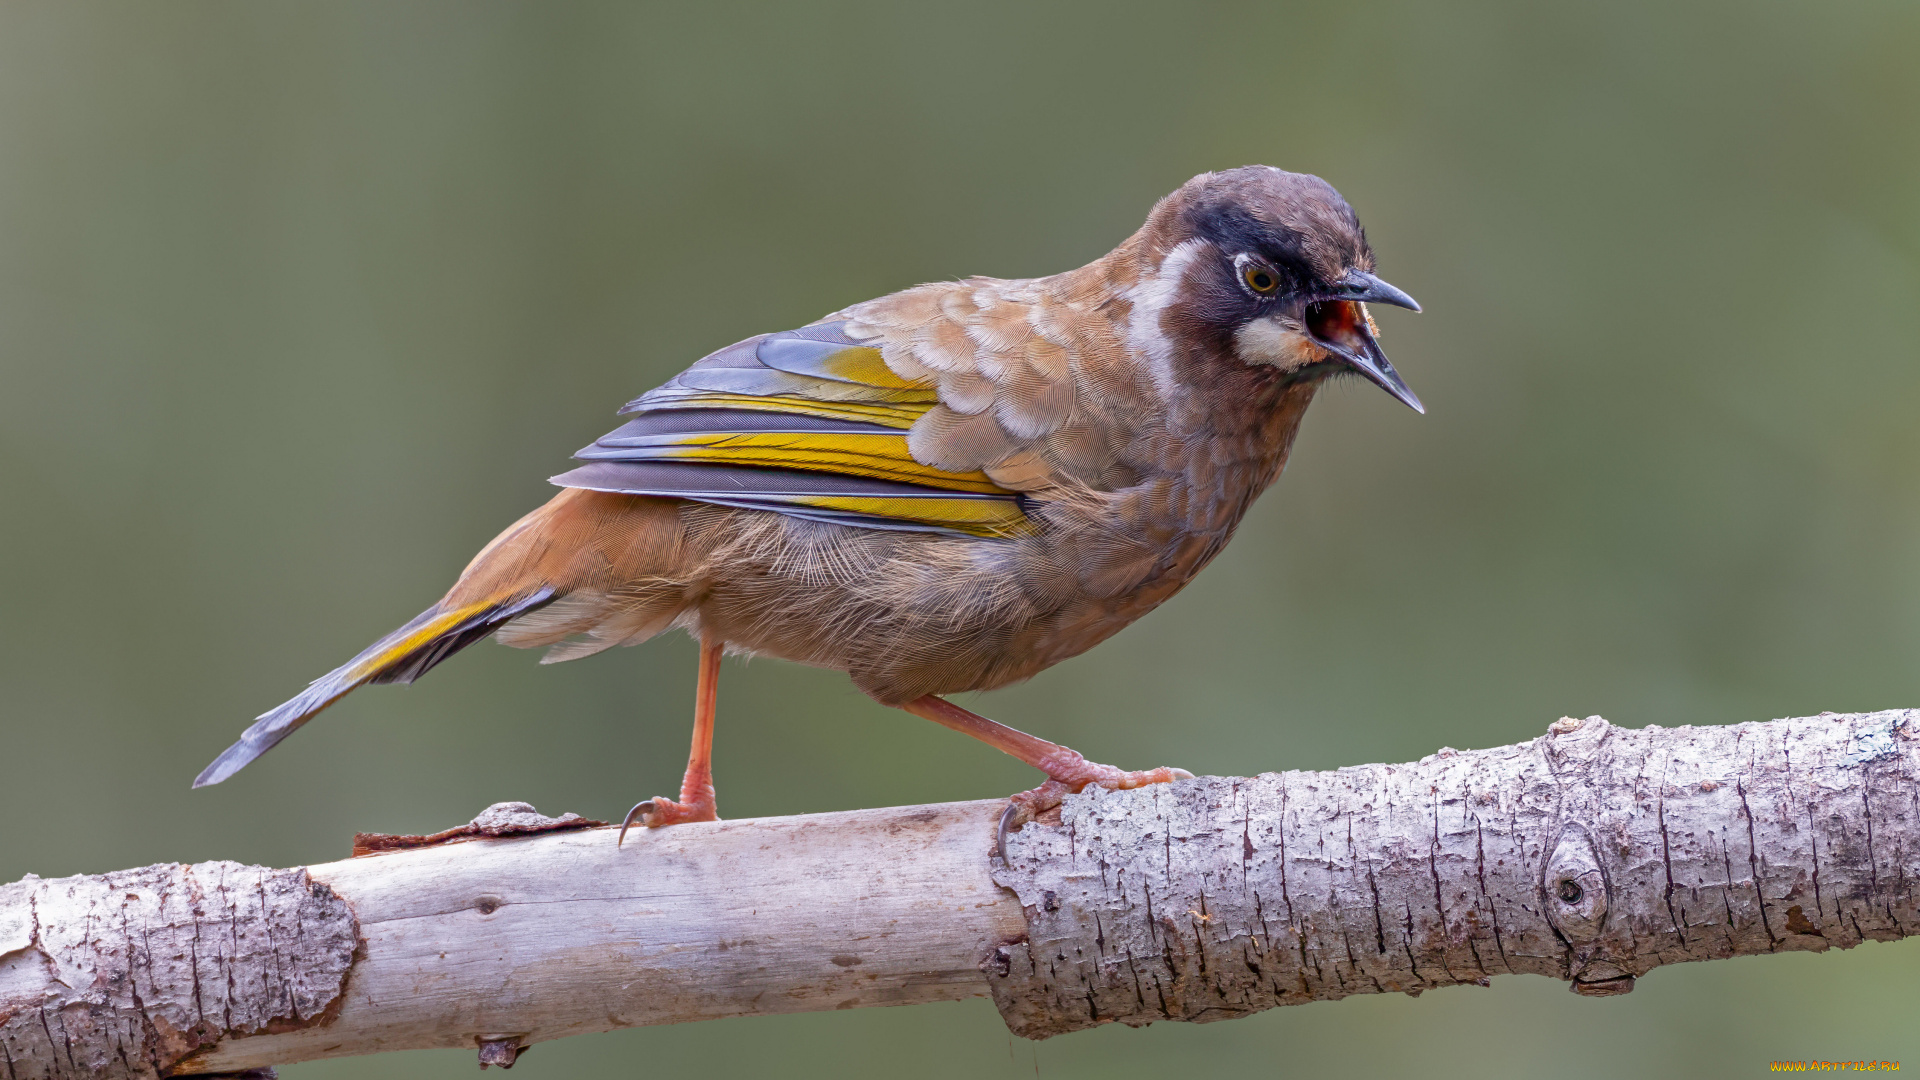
[(640, 810), (1006, 822)]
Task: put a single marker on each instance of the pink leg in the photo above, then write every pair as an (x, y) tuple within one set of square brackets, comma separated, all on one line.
[(696, 787), (1066, 770)]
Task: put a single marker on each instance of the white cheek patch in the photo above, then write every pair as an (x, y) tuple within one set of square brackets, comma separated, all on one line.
[(1281, 344), (1150, 299)]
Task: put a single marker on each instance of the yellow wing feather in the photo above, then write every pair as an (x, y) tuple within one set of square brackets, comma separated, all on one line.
[(860, 453), (850, 414)]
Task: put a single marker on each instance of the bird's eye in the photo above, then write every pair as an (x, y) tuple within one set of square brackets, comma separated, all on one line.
[(1259, 278)]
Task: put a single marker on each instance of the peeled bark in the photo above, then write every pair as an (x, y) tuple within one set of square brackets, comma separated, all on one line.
[(1592, 854)]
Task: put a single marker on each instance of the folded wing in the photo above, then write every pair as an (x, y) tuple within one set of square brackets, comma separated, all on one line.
[(811, 423)]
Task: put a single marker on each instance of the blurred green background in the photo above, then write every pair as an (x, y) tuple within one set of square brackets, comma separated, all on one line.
[(300, 304)]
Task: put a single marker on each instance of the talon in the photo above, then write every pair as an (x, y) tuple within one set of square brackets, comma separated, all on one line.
[(1006, 822), (696, 786), (659, 812), (640, 810)]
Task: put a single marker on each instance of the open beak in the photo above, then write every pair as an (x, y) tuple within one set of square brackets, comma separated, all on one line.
[(1340, 325)]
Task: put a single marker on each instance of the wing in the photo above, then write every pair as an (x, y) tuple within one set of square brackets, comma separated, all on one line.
[(1036, 386), (812, 423)]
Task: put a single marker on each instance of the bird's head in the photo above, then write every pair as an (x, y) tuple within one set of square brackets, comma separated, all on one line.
[(1271, 268)]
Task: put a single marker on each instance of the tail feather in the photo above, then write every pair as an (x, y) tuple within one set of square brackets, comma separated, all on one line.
[(400, 657)]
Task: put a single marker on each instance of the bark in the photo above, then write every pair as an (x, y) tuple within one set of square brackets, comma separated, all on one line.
[(124, 974), (498, 943), (1591, 854)]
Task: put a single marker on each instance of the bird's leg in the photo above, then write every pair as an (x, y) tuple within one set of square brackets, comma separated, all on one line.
[(1066, 770), (696, 787)]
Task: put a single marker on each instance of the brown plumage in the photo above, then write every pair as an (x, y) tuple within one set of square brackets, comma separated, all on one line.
[(948, 488)]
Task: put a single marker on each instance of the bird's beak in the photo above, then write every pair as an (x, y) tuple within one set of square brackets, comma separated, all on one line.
[(1340, 325), (1364, 287)]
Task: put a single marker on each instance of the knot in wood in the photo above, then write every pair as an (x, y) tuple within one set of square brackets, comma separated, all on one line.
[(1577, 899), (500, 1050), (1604, 987), (1576, 888), (1571, 743)]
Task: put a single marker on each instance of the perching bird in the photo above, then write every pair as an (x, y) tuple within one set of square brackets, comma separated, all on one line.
[(952, 487)]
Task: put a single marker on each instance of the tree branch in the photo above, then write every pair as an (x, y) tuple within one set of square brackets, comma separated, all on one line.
[(1591, 854)]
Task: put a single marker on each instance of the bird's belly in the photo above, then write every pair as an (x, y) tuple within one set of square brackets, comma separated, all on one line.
[(907, 614)]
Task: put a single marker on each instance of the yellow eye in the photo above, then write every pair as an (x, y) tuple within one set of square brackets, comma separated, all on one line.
[(1259, 279)]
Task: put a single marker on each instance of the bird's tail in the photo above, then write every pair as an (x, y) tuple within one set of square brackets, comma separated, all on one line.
[(400, 657), (585, 548)]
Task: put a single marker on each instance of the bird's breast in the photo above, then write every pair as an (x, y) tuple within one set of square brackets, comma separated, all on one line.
[(1137, 545)]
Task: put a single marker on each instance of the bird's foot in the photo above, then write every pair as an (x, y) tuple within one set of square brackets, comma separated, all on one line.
[(1069, 773), (657, 812)]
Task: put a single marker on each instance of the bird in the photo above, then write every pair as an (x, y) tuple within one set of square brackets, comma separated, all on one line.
[(948, 488)]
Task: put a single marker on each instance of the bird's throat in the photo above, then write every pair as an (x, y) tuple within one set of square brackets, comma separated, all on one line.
[(1278, 342)]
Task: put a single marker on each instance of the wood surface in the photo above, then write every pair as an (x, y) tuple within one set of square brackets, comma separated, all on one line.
[(1592, 854)]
